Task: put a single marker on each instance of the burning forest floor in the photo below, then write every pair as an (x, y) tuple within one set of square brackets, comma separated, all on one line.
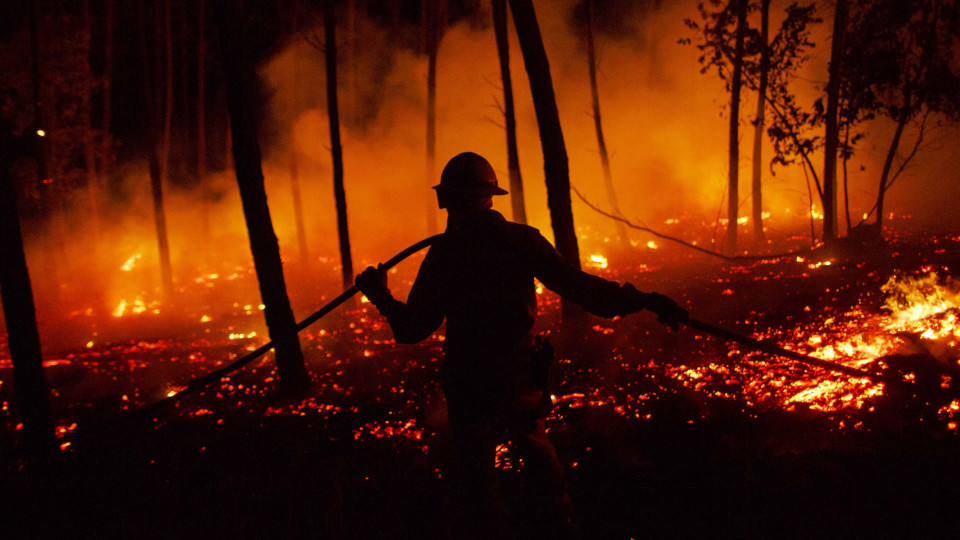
[(662, 434)]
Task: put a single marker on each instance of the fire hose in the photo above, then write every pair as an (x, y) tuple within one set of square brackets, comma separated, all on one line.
[(770, 348), (205, 380)]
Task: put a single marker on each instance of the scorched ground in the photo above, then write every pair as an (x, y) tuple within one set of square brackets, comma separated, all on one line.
[(663, 434)]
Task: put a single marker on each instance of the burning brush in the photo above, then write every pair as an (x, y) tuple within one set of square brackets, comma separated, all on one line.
[(908, 353)]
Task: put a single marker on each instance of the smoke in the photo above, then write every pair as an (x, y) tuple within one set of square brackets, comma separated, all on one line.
[(664, 123)]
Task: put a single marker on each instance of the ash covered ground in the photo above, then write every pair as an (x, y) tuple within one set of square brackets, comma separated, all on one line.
[(663, 435)]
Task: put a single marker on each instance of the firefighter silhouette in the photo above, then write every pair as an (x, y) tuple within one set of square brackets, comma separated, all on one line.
[(479, 277)]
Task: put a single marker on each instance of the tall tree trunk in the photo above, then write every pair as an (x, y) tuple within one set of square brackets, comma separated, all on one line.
[(298, 211), (598, 125), (166, 271), (106, 149), (757, 185), (846, 178), (888, 161), (336, 152), (16, 294), (46, 189), (433, 11), (733, 170), (155, 106), (240, 78), (89, 142), (555, 164), (301, 229), (832, 132), (513, 158), (201, 126)]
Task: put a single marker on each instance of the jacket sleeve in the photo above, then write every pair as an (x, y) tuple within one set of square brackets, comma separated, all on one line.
[(601, 297), (423, 312)]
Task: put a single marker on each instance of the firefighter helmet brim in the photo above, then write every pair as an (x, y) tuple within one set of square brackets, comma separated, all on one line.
[(469, 175)]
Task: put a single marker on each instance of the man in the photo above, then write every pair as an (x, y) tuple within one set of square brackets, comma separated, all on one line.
[(479, 277)]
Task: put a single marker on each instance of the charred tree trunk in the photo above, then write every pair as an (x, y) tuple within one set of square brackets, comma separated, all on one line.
[(89, 143), (517, 203), (299, 224), (832, 132), (555, 165), (240, 78), (201, 126), (29, 380), (757, 185), (53, 253), (598, 125), (336, 152), (106, 150), (166, 271), (888, 161), (432, 19), (298, 211), (159, 151), (736, 83)]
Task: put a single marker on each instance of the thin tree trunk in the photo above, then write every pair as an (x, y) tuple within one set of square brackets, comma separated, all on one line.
[(298, 211), (19, 311), (240, 78), (555, 164), (888, 162), (757, 185), (432, 19), (598, 125), (166, 271), (46, 189), (513, 158), (336, 152), (733, 195), (832, 133), (305, 262), (105, 149), (89, 143), (846, 178), (158, 153), (201, 126)]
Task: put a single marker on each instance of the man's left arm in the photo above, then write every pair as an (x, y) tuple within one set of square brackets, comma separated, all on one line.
[(599, 296)]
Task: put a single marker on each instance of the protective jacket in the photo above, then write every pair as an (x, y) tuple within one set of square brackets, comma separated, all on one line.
[(479, 276)]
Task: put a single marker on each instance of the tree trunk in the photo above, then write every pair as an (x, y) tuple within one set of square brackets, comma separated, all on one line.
[(888, 162), (298, 211), (106, 149), (555, 165), (832, 132), (432, 19), (240, 78), (604, 158), (756, 191), (733, 195), (201, 126), (513, 158), (166, 271), (159, 151), (89, 144), (29, 380), (336, 152)]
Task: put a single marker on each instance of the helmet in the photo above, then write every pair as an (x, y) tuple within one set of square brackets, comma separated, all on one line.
[(467, 176)]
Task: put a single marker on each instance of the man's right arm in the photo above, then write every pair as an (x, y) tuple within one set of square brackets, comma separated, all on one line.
[(412, 321)]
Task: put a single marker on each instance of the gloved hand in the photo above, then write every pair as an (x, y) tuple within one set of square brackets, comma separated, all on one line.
[(373, 284), (668, 312)]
